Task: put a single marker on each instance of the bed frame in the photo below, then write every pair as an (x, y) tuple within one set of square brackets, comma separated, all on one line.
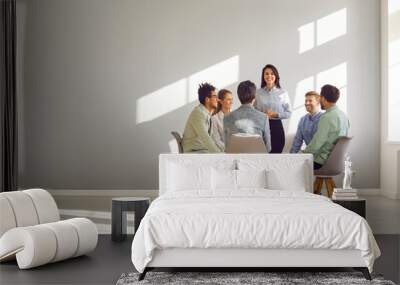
[(242, 259)]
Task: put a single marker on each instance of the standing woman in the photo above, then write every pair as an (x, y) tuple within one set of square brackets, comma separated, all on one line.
[(272, 100), (225, 100)]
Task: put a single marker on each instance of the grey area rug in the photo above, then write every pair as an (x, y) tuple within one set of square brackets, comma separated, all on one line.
[(225, 278)]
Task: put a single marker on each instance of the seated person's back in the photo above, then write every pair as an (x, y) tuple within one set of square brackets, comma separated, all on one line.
[(246, 119)]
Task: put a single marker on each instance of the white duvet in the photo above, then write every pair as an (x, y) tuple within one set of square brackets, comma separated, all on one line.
[(252, 218)]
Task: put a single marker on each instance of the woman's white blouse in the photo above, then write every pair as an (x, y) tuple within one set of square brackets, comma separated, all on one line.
[(276, 100)]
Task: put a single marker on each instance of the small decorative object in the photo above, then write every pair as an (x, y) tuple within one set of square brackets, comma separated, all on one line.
[(348, 173)]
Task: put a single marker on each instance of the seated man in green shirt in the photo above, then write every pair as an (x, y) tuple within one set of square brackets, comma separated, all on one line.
[(197, 133), (332, 125)]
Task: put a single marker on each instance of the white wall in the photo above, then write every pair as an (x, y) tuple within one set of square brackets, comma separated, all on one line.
[(104, 82), (390, 150)]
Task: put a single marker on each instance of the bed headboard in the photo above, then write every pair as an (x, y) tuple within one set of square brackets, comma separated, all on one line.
[(285, 161)]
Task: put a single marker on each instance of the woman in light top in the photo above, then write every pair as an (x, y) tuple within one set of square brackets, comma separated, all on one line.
[(225, 100), (272, 100)]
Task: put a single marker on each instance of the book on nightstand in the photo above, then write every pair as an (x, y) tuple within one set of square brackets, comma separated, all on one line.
[(344, 194)]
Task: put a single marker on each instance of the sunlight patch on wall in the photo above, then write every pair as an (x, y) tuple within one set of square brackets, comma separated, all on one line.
[(220, 75), (184, 91), (336, 76), (161, 102), (307, 38), (323, 30), (331, 26)]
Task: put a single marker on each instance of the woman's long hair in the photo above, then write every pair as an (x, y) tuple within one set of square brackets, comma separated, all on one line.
[(274, 71), (221, 96)]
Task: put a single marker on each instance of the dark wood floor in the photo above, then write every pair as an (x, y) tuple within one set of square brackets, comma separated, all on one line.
[(103, 266), (110, 260)]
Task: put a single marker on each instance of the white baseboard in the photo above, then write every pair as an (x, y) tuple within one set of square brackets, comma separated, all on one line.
[(390, 195), (102, 219), (104, 193), (104, 229), (369, 192), (103, 215)]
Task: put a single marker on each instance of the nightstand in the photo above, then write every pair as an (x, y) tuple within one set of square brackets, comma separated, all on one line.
[(120, 207), (355, 205)]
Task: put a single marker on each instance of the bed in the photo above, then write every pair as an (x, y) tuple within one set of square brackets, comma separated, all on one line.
[(247, 210)]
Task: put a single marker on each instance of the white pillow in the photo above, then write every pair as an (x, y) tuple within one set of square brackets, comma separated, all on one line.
[(251, 178), (183, 177), (223, 179), (293, 180), (283, 172)]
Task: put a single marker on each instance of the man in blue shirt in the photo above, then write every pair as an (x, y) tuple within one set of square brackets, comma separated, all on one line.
[(308, 123)]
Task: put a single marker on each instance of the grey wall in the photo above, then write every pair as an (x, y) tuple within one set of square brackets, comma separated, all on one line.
[(84, 65)]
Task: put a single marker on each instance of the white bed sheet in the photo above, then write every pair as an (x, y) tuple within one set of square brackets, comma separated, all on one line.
[(252, 218)]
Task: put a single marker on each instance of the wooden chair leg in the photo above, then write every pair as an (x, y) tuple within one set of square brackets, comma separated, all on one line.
[(333, 183), (330, 184), (327, 186), (315, 185), (318, 185)]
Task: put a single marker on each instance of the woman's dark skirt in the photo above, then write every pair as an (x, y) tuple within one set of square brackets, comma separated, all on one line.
[(277, 136)]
